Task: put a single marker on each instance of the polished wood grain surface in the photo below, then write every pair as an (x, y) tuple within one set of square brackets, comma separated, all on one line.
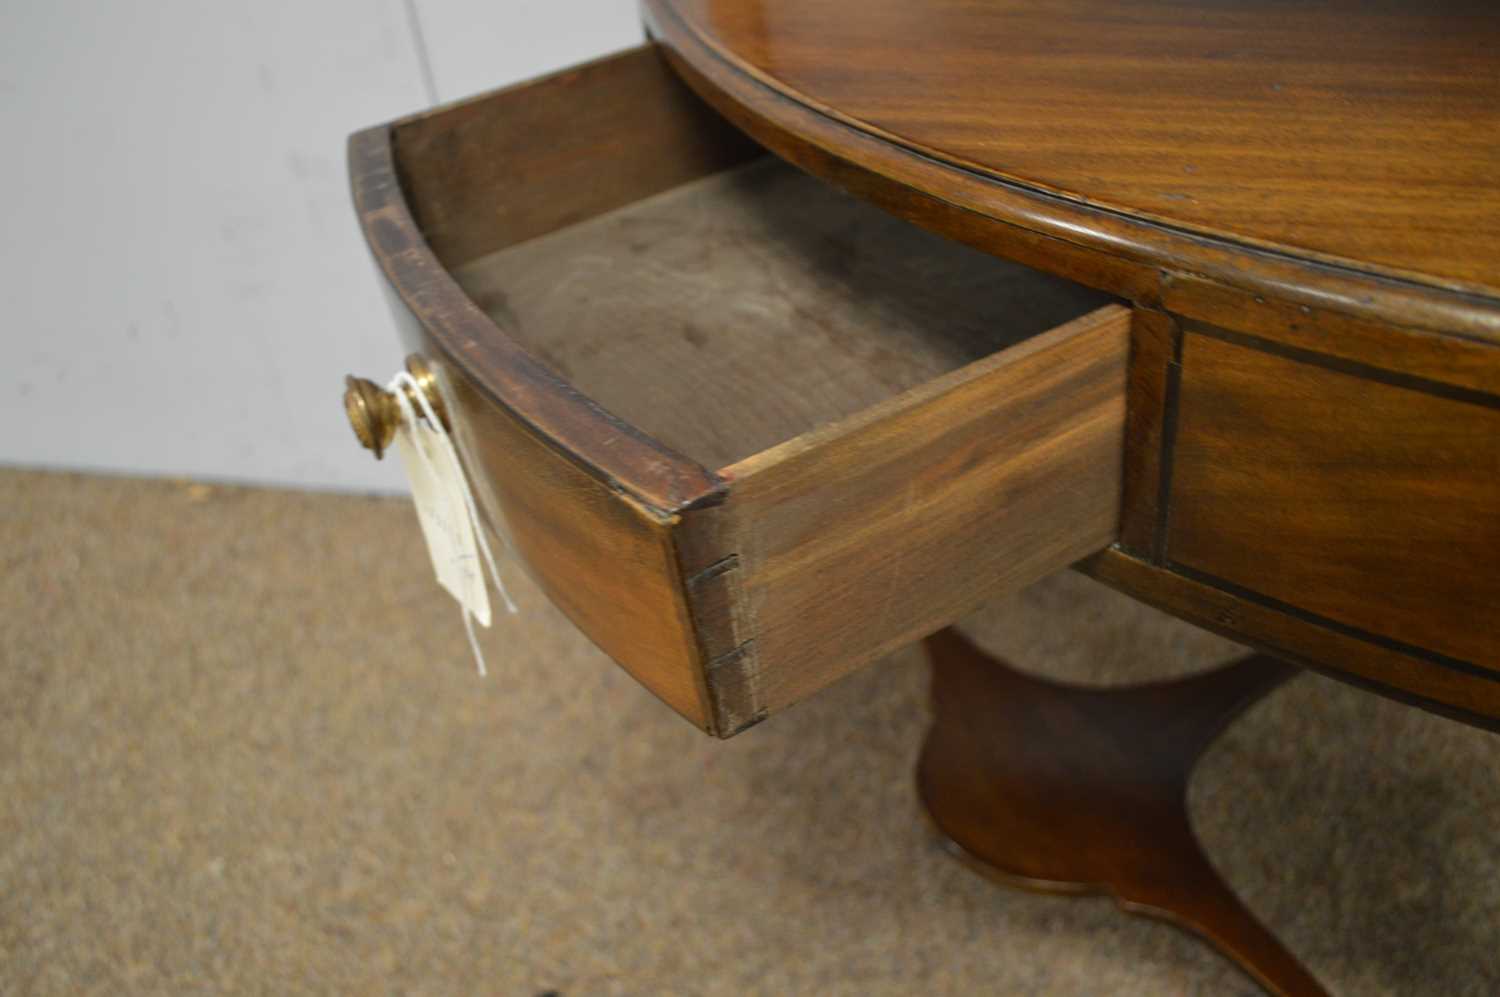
[(1264, 123), (1386, 523), (847, 543)]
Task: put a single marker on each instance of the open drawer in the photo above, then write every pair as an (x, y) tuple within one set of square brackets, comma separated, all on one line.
[(749, 433)]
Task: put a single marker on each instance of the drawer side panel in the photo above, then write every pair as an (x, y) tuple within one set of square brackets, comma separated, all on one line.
[(605, 560)]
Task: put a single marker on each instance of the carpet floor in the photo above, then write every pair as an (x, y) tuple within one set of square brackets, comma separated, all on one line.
[(243, 748)]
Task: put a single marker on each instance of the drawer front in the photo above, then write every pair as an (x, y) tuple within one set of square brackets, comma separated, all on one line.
[(839, 547), (1366, 500), (734, 592)]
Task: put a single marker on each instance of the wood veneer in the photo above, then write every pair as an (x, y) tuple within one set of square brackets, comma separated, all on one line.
[(1339, 131), (855, 540), (1385, 522)]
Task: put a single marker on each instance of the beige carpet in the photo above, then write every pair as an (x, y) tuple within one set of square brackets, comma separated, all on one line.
[(243, 749)]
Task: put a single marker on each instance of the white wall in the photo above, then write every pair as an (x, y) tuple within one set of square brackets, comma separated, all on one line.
[(476, 45), (184, 282)]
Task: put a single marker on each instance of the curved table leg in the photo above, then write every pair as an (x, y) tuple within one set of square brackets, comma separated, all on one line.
[(1070, 790)]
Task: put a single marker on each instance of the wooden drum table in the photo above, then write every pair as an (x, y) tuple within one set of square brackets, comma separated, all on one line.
[(1201, 299)]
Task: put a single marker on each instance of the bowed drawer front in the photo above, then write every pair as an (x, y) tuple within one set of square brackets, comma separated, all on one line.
[(748, 432)]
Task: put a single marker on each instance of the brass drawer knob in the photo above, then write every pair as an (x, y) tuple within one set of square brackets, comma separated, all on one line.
[(374, 413)]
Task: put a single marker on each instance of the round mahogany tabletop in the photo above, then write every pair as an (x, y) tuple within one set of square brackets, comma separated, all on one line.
[(1355, 135)]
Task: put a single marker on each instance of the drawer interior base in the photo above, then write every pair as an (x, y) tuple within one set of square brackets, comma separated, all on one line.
[(739, 311)]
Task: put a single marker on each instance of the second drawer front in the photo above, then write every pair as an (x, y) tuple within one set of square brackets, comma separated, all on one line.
[(1363, 499)]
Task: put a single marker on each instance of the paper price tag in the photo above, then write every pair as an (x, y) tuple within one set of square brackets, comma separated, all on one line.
[(437, 487), (445, 509)]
